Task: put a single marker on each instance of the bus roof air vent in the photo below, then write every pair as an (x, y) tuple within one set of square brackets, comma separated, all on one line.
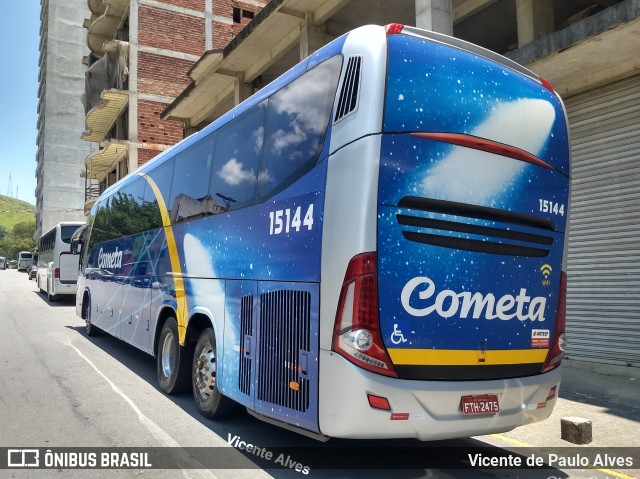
[(348, 101)]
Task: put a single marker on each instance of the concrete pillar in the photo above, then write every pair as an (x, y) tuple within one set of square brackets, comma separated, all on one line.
[(242, 90), (535, 20), (311, 36), (435, 15), (133, 84)]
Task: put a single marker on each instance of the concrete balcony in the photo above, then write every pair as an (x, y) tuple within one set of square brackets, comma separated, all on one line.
[(103, 116), (99, 164), (104, 23)]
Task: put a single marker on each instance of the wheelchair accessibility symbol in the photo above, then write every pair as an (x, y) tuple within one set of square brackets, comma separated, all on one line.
[(397, 337)]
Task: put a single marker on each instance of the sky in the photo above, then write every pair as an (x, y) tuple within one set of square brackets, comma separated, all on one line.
[(20, 38)]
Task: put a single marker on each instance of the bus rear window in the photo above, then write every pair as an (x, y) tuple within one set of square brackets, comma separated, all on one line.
[(438, 88), (66, 232)]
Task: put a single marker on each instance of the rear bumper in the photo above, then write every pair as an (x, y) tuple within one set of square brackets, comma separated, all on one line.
[(428, 410), (64, 288)]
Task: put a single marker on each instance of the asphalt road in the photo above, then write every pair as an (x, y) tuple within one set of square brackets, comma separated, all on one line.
[(61, 389)]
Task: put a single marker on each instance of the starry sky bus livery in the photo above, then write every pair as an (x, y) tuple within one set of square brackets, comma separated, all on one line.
[(372, 246)]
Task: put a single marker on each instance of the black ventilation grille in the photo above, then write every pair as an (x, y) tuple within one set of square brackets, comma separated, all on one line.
[(474, 245), (488, 241), (473, 211), (350, 86), (246, 329), (472, 229), (285, 318)]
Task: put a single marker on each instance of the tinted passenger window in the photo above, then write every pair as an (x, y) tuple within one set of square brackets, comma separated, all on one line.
[(235, 167), (127, 214), (191, 176), (297, 120), (101, 229), (162, 176)]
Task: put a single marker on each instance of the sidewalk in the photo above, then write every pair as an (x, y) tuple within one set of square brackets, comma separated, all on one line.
[(608, 396)]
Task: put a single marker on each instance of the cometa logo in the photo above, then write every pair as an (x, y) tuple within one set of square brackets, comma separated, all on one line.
[(110, 260), (448, 303)]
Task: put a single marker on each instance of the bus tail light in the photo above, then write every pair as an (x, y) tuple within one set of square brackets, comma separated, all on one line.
[(56, 273), (356, 333), (554, 356), (393, 28)]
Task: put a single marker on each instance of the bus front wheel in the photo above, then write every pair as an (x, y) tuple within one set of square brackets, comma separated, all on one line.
[(173, 360), (211, 403)]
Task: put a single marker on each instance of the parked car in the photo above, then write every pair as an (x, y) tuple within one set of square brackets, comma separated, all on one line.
[(33, 272), (30, 268), (3, 262)]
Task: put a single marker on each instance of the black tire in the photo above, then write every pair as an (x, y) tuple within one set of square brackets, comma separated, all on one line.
[(51, 298), (90, 329), (211, 403), (173, 361)]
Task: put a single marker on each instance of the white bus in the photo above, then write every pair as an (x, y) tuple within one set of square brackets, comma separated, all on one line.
[(366, 248), (25, 258), (57, 268)]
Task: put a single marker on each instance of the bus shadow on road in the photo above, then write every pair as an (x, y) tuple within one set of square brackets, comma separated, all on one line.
[(61, 301), (347, 458)]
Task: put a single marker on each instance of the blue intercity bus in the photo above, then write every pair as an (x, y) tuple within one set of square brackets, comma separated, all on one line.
[(372, 246)]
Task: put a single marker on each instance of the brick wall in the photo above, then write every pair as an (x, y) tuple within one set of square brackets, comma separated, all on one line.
[(170, 30), (223, 33), (190, 4), (145, 155), (153, 130), (161, 75)]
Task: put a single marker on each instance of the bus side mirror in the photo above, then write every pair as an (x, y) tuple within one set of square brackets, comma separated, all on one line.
[(76, 246)]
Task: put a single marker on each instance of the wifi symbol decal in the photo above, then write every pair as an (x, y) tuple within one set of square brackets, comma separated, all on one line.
[(546, 270)]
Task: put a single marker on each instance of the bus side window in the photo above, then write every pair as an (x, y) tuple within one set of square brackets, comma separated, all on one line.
[(297, 121), (127, 214), (235, 168), (162, 176), (100, 231), (191, 176)]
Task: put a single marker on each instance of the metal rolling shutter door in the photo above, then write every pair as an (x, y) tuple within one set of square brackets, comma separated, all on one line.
[(603, 297)]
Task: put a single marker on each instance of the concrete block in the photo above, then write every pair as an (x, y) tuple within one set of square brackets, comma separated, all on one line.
[(576, 430)]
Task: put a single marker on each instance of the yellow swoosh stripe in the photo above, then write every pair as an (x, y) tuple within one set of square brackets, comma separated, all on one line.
[(178, 283), (465, 357)]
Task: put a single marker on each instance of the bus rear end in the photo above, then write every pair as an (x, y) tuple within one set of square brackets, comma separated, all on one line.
[(454, 325)]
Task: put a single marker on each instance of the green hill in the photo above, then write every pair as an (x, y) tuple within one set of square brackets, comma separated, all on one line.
[(14, 211)]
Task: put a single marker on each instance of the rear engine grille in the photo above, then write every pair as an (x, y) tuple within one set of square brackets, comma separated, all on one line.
[(490, 239), (285, 319)]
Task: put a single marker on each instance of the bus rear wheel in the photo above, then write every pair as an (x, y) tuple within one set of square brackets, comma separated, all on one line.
[(174, 360), (211, 403)]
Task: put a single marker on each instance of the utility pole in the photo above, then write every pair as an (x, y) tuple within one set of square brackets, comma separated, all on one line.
[(10, 188)]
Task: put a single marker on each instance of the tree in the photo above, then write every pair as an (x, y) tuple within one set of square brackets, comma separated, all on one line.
[(24, 229), (20, 239), (3, 232)]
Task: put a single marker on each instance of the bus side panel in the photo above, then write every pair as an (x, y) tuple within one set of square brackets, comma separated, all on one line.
[(227, 256), (240, 332)]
